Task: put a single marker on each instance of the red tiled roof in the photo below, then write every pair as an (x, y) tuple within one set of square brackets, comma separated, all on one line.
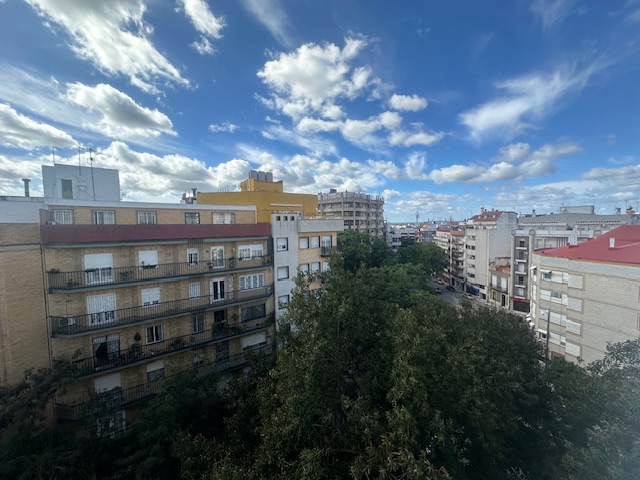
[(626, 247), (140, 233), (491, 216)]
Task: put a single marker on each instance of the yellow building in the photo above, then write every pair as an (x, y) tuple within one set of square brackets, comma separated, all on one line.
[(268, 196)]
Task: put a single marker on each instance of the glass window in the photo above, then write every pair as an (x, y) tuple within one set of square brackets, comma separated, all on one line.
[(253, 312), (104, 217), (315, 242), (283, 273), (192, 218), (155, 371), (150, 296), (194, 290), (148, 258), (282, 244), (248, 282), (67, 189), (224, 218), (247, 252), (283, 300), (197, 324), (315, 267), (192, 256), (154, 334), (304, 268), (147, 218), (304, 242), (63, 217)]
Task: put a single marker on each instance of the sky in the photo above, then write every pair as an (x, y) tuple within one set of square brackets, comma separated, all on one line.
[(442, 107)]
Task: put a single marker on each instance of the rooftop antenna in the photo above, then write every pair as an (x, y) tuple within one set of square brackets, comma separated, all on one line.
[(79, 164), (93, 183)]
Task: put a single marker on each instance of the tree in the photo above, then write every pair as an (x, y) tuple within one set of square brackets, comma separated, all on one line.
[(359, 250), (428, 256)]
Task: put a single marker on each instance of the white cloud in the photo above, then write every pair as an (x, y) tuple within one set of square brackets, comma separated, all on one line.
[(114, 38), (515, 162), (203, 46), (355, 130), (525, 99), (390, 194), (431, 205), (311, 125), (552, 12), (406, 139), (270, 14), (14, 169), (407, 103), (412, 169), (19, 131), (223, 127), (311, 143), (390, 120), (205, 22), (121, 116), (310, 79), (202, 19)]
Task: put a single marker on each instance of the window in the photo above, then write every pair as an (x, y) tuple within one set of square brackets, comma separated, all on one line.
[(150, 296), (194, 290), (63, 217), (148, 258), (197, 324), (67, 189), (106, 349), (315, 267), (520, 280), (217, 257), (220, 318), (192, 256), (283, 273), (521, 243), (216, 288), (98, 268), (147, 218), (154, 334), (111, 425), (282, 244), (198, 357), (325, 266), (224, 218), (283, 300), (222, 351), (248, 282), (101, 308), (547, 275), (315, 242), (155, 370), (104, 217), (192, 218), (304, 242), (247, 252), (249, 342), (304, 268), (251, 313)]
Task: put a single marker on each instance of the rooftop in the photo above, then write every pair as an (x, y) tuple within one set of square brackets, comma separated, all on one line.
[(620, 245)]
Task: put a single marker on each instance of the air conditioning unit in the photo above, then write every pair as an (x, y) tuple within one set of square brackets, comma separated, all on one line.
[(67, 321)]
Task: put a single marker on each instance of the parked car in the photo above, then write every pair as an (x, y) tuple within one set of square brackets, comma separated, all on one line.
[(450, 288), (468, 295), (437, 290), (440, 281)]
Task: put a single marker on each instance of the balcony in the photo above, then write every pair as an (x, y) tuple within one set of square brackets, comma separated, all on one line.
[(77, 324), (327, 251), (137, 352), (118, 398), (61, 282)]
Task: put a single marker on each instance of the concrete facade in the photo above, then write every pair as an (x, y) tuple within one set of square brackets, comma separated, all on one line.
[(358, 211)]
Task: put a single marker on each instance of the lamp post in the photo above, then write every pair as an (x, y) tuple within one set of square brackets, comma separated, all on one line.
[(546, 350)]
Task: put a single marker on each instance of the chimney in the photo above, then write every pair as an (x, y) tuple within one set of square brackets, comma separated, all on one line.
[(612, 242), (26, 186)]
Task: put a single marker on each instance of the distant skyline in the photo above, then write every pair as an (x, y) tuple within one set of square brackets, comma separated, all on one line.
[(441, 107)]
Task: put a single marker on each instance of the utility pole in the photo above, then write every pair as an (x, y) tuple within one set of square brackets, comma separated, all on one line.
[(546, 350)]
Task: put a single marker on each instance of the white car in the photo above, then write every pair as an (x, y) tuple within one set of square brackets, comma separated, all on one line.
[(440, 281)]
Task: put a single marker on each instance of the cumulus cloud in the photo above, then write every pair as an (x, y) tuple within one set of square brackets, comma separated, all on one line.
[(20, 131), (552, 12), (390, 194), (272, 16), (431, 205), (524, 100), (205, 22), (514, 163), (310, 79), (407, 103), (121, 116), (114, 38), (14, 169), (408, 139), (223, 127)]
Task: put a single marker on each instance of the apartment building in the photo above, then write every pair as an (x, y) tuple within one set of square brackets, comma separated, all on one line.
[(268, 196), (392, 236), (132, 293), (301, 245), (451, 240), (488, 236), (587, 295), (571, 226), (358, 211), (499, 286)]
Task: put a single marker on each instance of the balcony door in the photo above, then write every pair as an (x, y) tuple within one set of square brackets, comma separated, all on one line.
[(101, 309), (217, 290), (217, 257)]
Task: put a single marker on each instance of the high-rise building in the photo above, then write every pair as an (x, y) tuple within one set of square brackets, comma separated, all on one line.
[(358, 211)]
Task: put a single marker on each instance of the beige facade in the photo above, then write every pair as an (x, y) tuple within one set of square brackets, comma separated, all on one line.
[(131, 293)]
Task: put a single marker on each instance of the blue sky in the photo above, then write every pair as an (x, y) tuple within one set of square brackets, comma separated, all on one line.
[(442, 107)]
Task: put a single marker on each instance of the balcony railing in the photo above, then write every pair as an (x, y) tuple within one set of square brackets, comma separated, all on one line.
[(95, 277), (326, 251), (137, 352), (118, 398), (74, 324)]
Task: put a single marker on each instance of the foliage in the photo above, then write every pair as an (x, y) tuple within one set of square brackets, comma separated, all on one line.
[(428, 256), (359, 250)]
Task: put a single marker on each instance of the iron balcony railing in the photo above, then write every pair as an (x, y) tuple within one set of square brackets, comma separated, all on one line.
[(97, 277), (137, 352), (102, 403), (75, 324)]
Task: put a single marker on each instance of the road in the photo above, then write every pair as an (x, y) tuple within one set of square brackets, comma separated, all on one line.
[(452, 298)]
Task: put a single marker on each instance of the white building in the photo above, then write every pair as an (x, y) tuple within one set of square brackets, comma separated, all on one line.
[(587, 295)]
